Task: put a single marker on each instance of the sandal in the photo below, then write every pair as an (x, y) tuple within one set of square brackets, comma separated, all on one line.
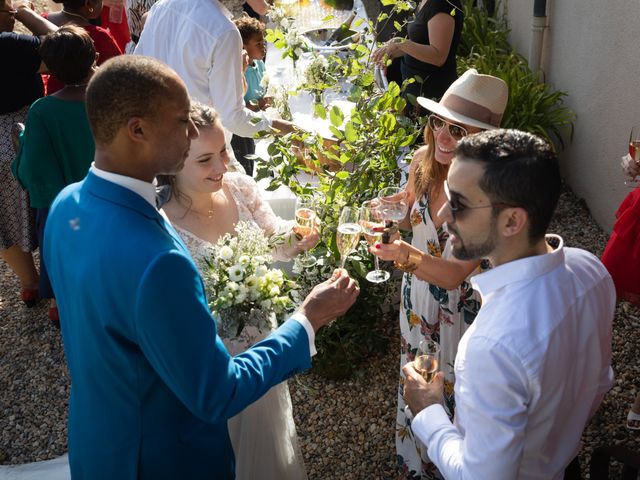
[(633, 420)]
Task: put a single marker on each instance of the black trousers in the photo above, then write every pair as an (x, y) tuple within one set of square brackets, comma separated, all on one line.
[(243, 146)]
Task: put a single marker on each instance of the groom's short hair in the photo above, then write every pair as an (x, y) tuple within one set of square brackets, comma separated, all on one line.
[(126, 86)]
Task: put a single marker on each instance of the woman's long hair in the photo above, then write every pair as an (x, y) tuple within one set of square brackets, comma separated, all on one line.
[(429, 174)]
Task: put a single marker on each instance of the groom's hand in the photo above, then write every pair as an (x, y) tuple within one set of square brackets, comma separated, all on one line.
[(330, 299)]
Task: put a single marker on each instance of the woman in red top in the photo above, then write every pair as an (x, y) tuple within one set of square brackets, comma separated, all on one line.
[(114, 19), (79, 12), (622, 258)]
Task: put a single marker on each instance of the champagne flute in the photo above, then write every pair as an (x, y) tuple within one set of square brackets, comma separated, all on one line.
[(634, 153), (348, 232), (306, 222), (393, 208), (372, 225), (427, 359)]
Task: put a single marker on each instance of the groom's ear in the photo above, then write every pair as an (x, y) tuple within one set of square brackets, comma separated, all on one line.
[(136, 129)]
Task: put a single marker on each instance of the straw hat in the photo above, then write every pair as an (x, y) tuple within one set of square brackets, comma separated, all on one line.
[(473, 99)]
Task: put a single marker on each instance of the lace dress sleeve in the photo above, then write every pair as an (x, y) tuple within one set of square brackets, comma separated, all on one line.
[(251, 206)]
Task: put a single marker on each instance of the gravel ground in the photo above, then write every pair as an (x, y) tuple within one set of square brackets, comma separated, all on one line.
[(346, 428)]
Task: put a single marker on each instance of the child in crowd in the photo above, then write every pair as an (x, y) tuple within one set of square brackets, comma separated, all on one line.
[(253, 42), (252, 33)]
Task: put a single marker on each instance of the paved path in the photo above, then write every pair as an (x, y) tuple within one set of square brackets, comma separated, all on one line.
[(56, 469)]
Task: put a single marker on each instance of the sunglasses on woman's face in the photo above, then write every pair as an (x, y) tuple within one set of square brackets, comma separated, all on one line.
[(456, 131)]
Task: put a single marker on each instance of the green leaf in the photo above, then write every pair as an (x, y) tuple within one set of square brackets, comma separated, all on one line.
[(342, 175), (393, 89), (320, 111), (360, 268), (388, 121), (336, 116), (336, 133), (350, 133)]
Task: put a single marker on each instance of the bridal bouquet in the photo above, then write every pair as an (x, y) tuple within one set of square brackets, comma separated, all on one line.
[(241, 288)]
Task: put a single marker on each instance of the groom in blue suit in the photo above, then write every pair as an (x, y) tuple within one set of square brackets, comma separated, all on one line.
[(152, 383)]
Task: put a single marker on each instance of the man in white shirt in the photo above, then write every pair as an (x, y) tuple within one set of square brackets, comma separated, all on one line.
[(536, 363), (199, 41)]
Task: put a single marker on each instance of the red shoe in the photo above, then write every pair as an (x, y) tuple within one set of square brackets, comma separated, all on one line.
[(54, 317), (29, 296)]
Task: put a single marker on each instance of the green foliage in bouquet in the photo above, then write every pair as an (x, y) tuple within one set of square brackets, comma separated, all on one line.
[(241, 285), (533, 105)]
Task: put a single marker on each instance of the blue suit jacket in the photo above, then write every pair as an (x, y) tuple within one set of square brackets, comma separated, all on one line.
[(152, 385)]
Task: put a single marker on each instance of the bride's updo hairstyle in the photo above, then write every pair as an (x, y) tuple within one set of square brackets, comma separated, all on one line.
[(202, 115)]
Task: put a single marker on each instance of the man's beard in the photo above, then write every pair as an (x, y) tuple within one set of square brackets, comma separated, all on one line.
[(474, 251)]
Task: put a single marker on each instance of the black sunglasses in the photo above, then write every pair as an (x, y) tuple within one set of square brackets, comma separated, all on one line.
[(457, 208)]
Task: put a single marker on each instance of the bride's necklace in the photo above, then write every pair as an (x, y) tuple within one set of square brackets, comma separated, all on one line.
[(210, 213), (75, 15)]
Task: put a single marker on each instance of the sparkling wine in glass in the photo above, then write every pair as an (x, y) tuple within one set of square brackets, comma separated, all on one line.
[(634, 153), (427, 360), (393, 208), (348, 233), (372, 225), (305, 223)]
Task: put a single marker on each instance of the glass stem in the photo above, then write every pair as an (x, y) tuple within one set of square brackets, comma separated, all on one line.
[(376, 262)]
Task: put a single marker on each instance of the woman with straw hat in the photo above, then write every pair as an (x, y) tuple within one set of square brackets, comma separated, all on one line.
[(437, 301)]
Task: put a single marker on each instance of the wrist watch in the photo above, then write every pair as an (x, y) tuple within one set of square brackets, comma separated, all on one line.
[(414, 258)]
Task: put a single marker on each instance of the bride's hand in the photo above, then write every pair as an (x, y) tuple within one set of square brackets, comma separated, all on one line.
[(307, 242)]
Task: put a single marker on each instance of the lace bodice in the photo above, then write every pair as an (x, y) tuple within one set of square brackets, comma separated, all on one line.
[(251, 208)]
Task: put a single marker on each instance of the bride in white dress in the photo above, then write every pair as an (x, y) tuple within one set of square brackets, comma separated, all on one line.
[(207, 202)]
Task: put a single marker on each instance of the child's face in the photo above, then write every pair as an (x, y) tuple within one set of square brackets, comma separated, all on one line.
[(256, 47)]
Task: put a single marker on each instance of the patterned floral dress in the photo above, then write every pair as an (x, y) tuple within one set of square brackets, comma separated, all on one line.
[(17, 219), (429, 311)]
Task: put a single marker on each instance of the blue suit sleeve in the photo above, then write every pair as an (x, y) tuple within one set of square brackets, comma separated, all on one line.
[(178, 336)]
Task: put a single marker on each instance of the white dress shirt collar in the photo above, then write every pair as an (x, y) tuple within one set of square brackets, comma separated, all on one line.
[(522, 269), (145, 189)]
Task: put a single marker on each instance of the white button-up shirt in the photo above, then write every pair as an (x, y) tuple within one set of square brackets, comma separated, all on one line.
[(198, 40), (530, 371)]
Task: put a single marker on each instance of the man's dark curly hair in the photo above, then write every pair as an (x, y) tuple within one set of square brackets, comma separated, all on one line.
[(249, 27)]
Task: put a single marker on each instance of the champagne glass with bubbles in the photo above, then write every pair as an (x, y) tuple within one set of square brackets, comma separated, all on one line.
[(393, 208), (348, 233), (372, 225), (306, 222), (427, 360)]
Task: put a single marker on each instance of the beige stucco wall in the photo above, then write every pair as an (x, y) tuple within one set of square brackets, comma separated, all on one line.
[(591, 51)]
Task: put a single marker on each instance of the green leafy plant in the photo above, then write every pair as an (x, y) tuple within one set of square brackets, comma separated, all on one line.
[(533, 106), (354, 162), (482, 29)]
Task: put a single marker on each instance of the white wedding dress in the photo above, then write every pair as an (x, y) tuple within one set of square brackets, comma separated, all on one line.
[(263, 435)]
